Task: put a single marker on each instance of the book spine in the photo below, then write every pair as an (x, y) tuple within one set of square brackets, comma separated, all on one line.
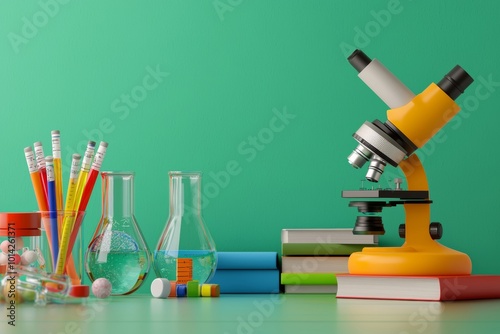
[(308, 278), (469, 287), (341, 236), (325, 289), (313, 249), (247, 281), (314, 264), (247, 260)]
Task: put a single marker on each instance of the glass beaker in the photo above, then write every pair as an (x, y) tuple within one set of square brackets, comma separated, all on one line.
[(185, 250), (118, 251)]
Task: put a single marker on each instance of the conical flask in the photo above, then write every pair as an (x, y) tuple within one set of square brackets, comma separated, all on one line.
[(186, 250), (118, 251)]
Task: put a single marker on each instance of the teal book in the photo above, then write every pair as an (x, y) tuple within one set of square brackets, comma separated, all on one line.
[(315, 249), (247, 260), (247, 280)]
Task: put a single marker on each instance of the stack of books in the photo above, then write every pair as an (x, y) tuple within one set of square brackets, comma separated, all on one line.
[(247, 272), (311, 258)]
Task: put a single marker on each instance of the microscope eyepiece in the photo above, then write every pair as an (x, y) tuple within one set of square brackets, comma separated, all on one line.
[(455, 82), (359, 60)]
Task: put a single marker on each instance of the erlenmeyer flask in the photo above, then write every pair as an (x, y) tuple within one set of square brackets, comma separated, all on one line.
[(118, 251), (186, 250)]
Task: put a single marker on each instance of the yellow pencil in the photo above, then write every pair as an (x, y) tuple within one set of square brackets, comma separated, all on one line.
[(69, 215), (84, 173), (72, 202)]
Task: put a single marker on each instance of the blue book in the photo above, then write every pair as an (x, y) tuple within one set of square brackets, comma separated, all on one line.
[(247, 281), (247, 260)]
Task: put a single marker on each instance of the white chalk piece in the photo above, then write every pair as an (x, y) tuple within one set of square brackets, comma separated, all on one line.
[(160, 288)]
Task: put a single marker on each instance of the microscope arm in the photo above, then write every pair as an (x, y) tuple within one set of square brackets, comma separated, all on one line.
[(417, 215)]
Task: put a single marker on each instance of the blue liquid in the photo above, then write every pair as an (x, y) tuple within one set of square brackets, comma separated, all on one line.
[(204, 263)]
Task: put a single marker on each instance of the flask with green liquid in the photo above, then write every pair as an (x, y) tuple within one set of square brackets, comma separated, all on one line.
[(118, 251)]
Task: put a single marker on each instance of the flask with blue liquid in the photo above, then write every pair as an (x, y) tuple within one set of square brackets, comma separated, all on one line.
[(185, 250)]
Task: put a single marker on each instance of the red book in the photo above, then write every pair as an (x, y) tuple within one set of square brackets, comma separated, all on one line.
[(429, 288)]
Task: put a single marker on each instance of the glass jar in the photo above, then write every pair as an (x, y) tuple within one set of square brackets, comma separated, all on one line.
[(26, 253), (21, 241)]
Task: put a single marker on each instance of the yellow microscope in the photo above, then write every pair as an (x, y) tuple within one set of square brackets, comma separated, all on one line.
[(411, 121)]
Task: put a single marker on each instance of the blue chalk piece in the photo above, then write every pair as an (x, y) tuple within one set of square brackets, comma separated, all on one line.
[(181, 290)]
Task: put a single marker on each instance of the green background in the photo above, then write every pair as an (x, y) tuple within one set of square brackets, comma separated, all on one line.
[(227, 67)]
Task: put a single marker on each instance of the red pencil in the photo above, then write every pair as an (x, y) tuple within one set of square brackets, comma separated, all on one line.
[(40, 161), (87, 191)]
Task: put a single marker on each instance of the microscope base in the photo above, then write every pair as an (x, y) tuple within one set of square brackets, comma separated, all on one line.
[(407, 261)]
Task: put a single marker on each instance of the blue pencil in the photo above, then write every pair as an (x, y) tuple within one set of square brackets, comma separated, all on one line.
[(51, 199)]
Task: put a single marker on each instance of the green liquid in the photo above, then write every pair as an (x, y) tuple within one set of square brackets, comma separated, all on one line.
[(203, 264), (125, 270)]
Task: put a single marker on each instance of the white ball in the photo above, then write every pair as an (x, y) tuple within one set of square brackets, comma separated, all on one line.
[(4, 259), (4, 246), (28, 257), (160, 288), (101, 288)]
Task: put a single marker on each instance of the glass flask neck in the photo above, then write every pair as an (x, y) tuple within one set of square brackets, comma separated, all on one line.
[(185, 193), (117, 194)]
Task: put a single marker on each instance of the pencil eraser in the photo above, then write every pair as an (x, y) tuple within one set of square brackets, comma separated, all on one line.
[(101, 288), (160, 288)]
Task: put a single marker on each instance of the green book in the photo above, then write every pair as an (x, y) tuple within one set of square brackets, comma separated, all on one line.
[(308, 278), (320, 249)]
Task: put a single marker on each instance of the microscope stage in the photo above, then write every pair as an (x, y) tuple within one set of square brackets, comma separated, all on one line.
[(381, 193)]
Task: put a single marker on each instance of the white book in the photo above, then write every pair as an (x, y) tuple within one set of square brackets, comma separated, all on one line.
[(314, 264), (329, 288), (326, 236)]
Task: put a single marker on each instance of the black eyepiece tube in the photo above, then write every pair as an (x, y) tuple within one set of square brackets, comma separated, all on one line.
[(455, 82), (359, 60)]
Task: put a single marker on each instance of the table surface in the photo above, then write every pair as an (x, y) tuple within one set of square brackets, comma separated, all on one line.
[(293, 313)]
